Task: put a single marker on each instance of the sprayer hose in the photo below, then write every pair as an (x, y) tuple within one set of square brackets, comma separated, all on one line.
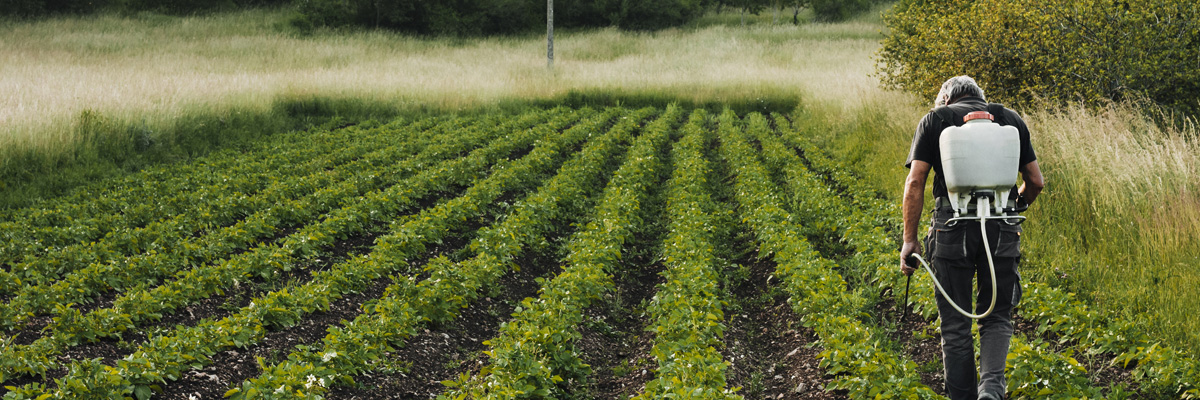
[(991, 268)]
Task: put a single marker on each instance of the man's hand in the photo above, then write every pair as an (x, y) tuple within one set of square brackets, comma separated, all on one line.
[(907, 250)]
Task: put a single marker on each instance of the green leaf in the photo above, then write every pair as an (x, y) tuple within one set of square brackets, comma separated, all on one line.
[(142, 392)]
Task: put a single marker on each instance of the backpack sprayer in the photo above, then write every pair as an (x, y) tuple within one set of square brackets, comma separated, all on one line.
[(979, 161)]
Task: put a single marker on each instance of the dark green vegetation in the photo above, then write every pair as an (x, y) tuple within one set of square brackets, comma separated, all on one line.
[(457, 17), (37, 8), (113, 148), (1059, 50), (349, 241)]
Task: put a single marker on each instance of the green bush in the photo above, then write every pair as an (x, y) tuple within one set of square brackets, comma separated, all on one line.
[(1058, 50)]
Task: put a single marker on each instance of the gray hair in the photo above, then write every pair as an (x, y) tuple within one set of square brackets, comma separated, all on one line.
[(956, 87)]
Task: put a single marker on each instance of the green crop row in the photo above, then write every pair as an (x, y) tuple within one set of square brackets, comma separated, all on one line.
[(687, 309), (859, 356), (70, 327), (165, 357), (535, 351), (100, 214), (450, 286), (1159, 370), (177, 247), (47, 259), (223, 205)]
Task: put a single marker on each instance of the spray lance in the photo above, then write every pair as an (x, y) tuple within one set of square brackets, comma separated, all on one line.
[(979, 162)]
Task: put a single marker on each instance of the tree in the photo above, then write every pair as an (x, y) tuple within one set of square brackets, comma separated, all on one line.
[(1063, 50)]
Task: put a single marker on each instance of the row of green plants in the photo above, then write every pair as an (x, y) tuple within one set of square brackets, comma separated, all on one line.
[(71, 327), (179, 242), (164, 358), (1159, 369), (119, 211), (452, 286), (1035, 369), (860, 356), (535, 352), (687, 310)]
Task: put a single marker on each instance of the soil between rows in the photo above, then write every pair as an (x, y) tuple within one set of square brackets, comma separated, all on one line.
[(440, 353), (614, 340), (772, 355), (231, 367)]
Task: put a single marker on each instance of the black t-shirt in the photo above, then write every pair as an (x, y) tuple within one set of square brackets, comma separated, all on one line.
[(925, 145)]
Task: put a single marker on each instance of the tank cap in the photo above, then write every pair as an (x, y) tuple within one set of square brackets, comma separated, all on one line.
[(978, 115)]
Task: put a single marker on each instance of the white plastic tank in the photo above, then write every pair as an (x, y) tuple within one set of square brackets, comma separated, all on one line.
[(980, 155)]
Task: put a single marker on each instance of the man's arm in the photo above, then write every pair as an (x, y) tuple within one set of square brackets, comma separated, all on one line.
[(1033, 182), (914, 200)]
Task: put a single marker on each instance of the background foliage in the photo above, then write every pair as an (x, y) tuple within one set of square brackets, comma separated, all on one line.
[(1060, 50), (483, 17), (454, 17)]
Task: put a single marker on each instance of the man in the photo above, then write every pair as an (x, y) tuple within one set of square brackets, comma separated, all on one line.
[(957, 251)]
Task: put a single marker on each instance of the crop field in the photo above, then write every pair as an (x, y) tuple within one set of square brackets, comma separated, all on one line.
[(557, 253)]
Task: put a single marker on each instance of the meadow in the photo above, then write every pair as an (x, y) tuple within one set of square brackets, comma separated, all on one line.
[(97, 98)]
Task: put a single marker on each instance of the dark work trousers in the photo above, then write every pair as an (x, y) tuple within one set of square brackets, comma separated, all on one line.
[(958, 257)]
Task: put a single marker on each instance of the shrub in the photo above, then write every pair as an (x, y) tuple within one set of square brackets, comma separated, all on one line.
[(1059, 50)]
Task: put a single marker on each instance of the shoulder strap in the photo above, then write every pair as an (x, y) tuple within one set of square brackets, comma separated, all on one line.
[(998, 114), (946, 115)]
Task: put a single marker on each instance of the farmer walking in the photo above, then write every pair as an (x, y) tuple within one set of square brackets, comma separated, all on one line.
[(958, 253)]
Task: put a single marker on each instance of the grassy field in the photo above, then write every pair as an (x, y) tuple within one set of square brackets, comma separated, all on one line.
[(1119, 222)]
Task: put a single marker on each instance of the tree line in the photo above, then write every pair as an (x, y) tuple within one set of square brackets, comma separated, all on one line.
[(451, 17)]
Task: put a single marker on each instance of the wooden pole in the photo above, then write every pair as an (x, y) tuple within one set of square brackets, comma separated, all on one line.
[(550, 34)]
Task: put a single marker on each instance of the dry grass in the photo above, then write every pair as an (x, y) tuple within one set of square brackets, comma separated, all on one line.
[(152, 68)]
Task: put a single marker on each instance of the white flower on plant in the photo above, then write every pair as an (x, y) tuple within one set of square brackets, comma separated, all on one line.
[(311, 379), (328, 356), (280, 390)]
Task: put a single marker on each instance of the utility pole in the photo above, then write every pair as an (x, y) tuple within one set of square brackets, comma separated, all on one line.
[(550, 34)]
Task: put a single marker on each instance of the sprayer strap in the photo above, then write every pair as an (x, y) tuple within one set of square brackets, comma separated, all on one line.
[(947, 116), (998, 114)]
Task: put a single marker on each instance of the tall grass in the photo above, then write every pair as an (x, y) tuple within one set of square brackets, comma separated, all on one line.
[(1122, 221)]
